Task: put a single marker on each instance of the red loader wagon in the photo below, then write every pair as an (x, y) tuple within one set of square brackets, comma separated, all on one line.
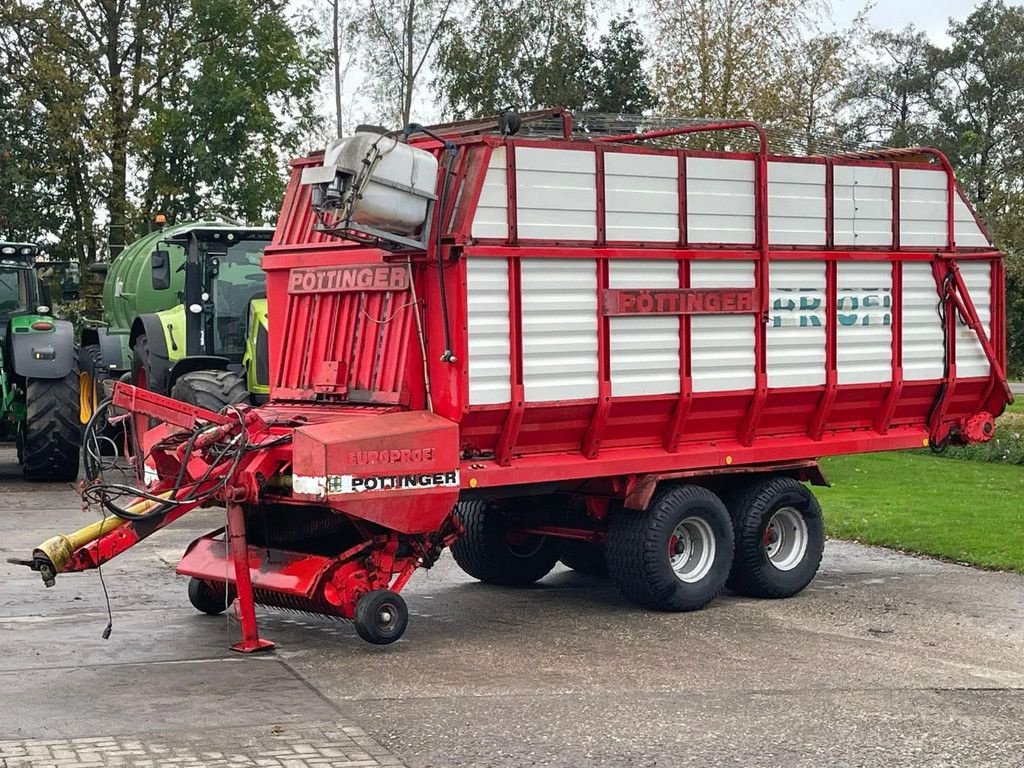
[(602, 351)]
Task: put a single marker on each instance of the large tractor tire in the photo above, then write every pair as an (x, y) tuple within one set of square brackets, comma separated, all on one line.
[(676, 555), (142, 372), (780, 538), (490, 552), (212, 390), (583, 557), (51, 436)]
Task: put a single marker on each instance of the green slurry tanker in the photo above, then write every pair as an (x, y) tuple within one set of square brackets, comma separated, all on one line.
[(38, 370), (185, 315)]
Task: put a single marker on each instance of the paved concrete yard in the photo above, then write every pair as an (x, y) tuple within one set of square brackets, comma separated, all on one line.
[(885, 660)]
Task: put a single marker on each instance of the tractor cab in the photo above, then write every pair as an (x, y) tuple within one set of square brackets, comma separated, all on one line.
[(222, 276), (20, 290)]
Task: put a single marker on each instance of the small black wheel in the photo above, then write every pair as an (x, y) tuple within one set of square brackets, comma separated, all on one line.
[(780, 538), (206, 597), (489, 551), (676, 555), (583, 557), (381, 617)]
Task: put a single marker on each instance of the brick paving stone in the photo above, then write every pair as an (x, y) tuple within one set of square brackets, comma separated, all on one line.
[(333, 745)]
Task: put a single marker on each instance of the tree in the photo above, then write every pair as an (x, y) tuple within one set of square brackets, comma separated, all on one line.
[(619, 82), (890, 89), (812, 93), (981, 98), (724, 58), (47, 175), (399, 38), (154, 101), (214, 138), (524, 53), (979, 104)]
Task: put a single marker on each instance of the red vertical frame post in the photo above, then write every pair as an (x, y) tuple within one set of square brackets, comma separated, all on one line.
[(761, 276), (677, 423), (600, 206), (239, 551), (599, 421), (514, 419), (510, 186), (828, 398), (895, 205), (683, 229)]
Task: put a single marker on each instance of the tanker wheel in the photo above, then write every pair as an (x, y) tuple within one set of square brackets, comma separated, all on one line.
[(207, 597), (583, 557), (90, 384), (780, 538), (142, 372), (487, 550), (51, 436), (381, 617), (212, 390), (676, 555)]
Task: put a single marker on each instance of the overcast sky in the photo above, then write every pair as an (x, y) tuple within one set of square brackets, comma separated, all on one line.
[(930, 15)]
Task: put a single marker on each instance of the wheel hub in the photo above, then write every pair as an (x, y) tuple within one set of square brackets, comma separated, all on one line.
[(786, 538), (691, 549)]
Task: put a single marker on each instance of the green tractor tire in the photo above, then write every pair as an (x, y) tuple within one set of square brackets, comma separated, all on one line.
[(50, 437), (212, 390)]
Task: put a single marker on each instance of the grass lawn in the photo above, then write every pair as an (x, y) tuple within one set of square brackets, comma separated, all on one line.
[(962, 510), (966, 505)]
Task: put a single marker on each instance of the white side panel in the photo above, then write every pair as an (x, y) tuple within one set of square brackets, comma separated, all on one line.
[(967, 231), (862, 205), (864, 321), (922, 207), (796, 324), (922, 328), (559, 298), (556, 194), (641, 194), (722, 346), (796, 203), (490, 373), (970, 356), (491, 217), (645, 349), (719, 200)]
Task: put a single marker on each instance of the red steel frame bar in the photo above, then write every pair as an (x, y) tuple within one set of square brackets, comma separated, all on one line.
[(748, 427), (251, 640)]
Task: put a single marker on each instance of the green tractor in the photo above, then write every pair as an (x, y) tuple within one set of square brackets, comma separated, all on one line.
[(185, 315), (38, 370)]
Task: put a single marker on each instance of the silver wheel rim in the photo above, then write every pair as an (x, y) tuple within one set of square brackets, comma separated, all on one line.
[(785, 539), (691, 549)]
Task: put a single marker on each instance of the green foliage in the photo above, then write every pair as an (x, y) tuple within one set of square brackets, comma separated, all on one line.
[(619, 82), (226, 104), (889, 90), (130, 107), (526, 53)]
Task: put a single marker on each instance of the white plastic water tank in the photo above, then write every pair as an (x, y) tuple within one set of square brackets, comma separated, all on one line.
[(400, 209)]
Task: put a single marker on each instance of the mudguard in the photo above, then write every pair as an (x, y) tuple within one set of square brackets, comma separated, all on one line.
[(112, 347), (195, 363), (44, 354), (160, 363)]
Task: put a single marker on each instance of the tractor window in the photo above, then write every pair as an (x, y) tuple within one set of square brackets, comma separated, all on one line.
[(240, 279), (15, 291)]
